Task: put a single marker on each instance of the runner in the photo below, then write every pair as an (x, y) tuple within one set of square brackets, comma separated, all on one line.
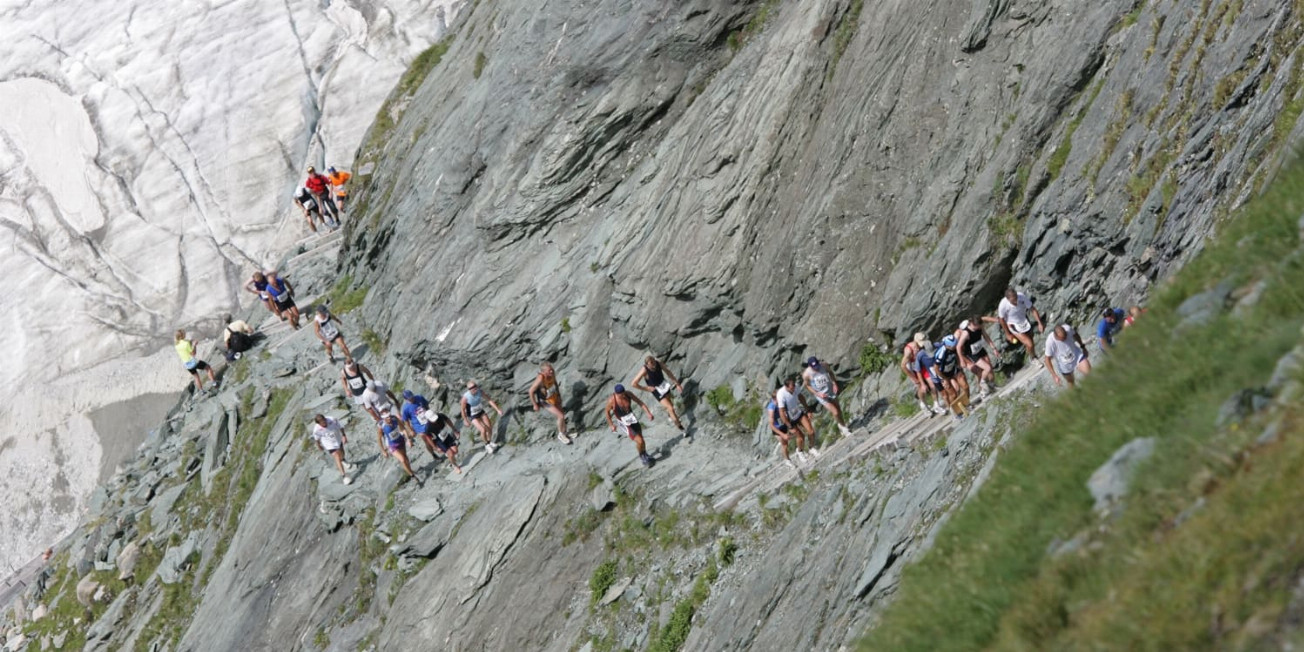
[(915, 363), (1111, 322), (1065, 353), (783, 433), (655, 374), (429, 425), (389, 434), (626, 422), (970, 340), (546, 384), (258, 286), (327, 327), (378, 400), (354, 378), (237, 337), (821, 384), (282, 294), (308, 204), (473, 412), (1012, 313), (947, 363), (337, 179), (795, 413), (186, 349), (331, 438), (1132, 314), (319, 186)]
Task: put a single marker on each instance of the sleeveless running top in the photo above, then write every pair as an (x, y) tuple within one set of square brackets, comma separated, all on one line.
[(820, 382), (357, 384), (654, 376), (393, 435), (328, 329), (549, 388), (473, 402), (946, 361), (277, 289), (975, 343)]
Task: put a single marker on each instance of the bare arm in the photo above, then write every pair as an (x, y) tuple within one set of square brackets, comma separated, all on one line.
[(465, 415), (769, 415), (380, 441), (610, 424), (678, 386), (495, 405), (534, 392), (1050, 366), (637, 383)]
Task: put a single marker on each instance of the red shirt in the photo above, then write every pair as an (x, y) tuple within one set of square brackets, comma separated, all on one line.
[(316, 184)]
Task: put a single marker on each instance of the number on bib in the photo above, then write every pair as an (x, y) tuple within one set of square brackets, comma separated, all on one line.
[(629, 420)]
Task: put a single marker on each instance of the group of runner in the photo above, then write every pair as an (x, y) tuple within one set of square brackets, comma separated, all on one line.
[(322, 197), (788, 414)]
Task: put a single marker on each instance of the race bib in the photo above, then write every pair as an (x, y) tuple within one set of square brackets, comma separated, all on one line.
[(663, 388), (328, 330), (476, 411), (422, 418), (356, 383), (629, 419)]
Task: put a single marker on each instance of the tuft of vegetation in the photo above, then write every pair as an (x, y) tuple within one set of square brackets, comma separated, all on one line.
[(845, 31), (904, 408), (675, 633), (1201, 555), (411, 80), (739, 37), (374, 341), (604, 577), (480, 61), (565, 325), (344, 300)]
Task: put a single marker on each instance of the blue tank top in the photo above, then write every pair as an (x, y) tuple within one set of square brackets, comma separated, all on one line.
[(773, 409), (473, 401), (392, 434)]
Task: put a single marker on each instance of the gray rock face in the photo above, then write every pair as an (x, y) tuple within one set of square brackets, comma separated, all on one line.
[(1108, 484), (654, 189)]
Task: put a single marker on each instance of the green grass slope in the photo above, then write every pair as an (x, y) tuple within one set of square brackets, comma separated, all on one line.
[(1222, 576)]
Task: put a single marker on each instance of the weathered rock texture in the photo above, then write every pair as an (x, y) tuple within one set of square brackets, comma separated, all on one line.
[(734, 184)]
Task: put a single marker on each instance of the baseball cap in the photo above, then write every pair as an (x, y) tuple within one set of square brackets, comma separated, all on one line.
[(948, 341), (408, 395), (311, 169), (620, 389), (921, 338), (322, 309), (964, 324), (330, 169), (1109, 312), (814, 362)]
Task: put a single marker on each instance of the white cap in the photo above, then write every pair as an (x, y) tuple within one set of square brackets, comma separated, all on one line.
[(964, 324)]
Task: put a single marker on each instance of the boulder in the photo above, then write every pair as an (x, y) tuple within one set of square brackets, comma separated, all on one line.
[(1109, 483), (86, 588)]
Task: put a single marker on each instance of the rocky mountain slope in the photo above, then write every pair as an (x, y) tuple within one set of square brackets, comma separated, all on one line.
[(732, 185), (148, 151)]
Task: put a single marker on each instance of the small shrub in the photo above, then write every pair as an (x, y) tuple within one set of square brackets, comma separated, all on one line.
[(604, 576), (374, 342), (728, 549), (905, 408), (565, 325), (721, 398), (480, 61), (873, 359)]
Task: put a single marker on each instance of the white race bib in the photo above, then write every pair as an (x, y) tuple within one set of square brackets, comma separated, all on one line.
[(421, 417), (629, 419), (663, 388)]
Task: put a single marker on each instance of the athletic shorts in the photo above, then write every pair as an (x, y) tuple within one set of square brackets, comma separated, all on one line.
[(474, 416), (399, 444), (794, 418), (443, 443), (630, 430), (330, 450), (1074, 367), (196, 365), (1014, 328), (826, 400), (659, 395), (979, 355), (782, 428), (286, 304)]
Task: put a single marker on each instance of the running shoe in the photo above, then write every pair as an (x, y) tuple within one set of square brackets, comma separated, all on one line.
[(561, 437), (814, 452)]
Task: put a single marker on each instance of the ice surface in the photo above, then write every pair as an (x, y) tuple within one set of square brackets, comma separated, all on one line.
[(147, 154)]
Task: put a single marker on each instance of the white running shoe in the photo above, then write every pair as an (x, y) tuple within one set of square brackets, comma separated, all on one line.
[(814, 452), (923, 406), (846, 432), (801, 458), (490, 448), (561, 437), (788, 463), (982, 396), (350, 466), (938, 409), (346, 480)]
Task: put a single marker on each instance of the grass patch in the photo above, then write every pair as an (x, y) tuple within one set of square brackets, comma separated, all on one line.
[(846, 30), (344, 300), (480, 61), (411, 80), (565, 325), (604, 576), (873, 359), (739, 37), (375, 343), (1214, 581), (675, 633)]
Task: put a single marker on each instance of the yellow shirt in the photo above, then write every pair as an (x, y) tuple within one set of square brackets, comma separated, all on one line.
[(186, 350)]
